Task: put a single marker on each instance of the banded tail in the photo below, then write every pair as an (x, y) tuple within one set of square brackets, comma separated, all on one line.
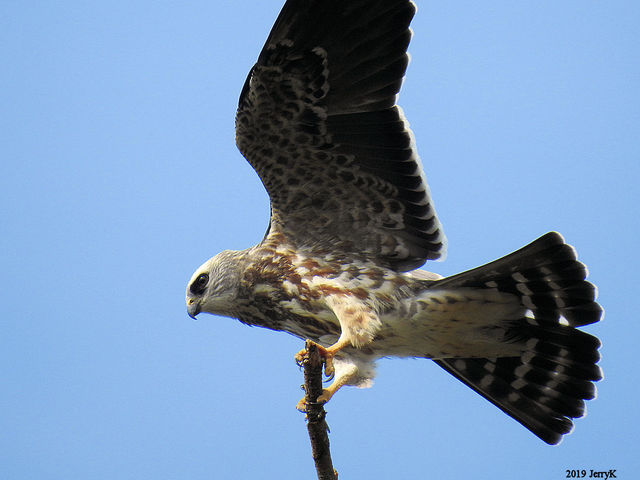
[(546, 387)]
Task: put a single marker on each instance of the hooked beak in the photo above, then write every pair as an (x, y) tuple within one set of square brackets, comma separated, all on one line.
[(193, 308)]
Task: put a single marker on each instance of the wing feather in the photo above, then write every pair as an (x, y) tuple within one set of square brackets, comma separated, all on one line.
[(318, 121)]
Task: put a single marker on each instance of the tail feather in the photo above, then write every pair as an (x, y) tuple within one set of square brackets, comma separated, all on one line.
[(540, 419), (547, 385), (545, 275)]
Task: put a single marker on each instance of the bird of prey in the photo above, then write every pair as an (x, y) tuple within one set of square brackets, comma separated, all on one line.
[(352, 220)]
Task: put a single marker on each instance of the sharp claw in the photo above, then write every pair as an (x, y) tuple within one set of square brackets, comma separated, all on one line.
[(329, 369), (324, 397), (301, 406), (299, 357), (326, 355)]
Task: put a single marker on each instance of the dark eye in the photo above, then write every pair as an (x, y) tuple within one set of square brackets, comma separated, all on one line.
[(199, 284)]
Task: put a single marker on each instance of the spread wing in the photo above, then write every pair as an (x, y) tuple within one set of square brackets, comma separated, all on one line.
[(318, 122)]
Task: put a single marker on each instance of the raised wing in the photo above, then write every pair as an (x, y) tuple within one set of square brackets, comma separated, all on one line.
[(317, 120)]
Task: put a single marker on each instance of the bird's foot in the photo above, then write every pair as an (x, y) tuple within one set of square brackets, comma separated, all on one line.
[(323, 398), (327, 355)]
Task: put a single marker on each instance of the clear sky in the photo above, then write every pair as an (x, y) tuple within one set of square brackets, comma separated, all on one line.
[(119, 176)]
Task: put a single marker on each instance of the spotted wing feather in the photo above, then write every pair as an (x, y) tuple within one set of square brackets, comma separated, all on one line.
[(318, 121)]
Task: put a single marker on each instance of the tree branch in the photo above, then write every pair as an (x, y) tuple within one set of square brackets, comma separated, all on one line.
[(316, 424)]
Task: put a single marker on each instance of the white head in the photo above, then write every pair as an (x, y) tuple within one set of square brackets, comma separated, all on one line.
[(213, 287)]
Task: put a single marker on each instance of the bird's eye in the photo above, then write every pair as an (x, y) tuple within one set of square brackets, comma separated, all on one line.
[(199, 284)]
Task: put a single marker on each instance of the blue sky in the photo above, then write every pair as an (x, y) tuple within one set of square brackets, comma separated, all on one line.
[(119, 176)]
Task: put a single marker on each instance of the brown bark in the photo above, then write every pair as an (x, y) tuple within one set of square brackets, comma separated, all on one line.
[(316, 423)]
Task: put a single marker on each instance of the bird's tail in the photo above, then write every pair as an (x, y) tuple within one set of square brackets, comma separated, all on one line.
[(546, 386)]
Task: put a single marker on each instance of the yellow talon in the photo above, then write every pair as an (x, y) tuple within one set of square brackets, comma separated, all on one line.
[(324, 397), (301, 406), (327, 354)]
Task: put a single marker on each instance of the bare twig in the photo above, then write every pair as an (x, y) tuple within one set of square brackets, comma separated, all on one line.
[(316, 424)]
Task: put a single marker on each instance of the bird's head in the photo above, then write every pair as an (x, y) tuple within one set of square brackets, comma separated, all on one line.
[(214, 285)]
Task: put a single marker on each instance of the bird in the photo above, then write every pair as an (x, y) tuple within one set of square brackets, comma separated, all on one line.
[(352, 222)]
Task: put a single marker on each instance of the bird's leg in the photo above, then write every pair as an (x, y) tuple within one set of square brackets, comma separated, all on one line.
[(327, 354), (344, 378), (358, 325)]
